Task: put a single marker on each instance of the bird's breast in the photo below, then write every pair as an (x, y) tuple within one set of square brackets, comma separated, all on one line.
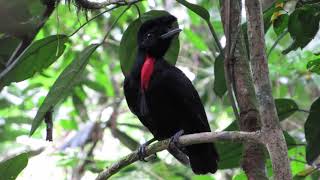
[(147, 71)]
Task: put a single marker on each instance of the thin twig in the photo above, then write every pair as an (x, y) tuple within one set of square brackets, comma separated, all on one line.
[(115, 22), (282, 35), (215, 36), (303, 110), (185, 140), (96, 16)]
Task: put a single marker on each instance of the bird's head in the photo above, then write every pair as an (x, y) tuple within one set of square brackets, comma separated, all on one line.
[(155, 35)]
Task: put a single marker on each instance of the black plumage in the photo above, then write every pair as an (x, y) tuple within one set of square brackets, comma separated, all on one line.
[(163, 98)]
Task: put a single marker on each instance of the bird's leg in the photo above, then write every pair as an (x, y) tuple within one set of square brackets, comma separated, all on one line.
[(142, 149), (174, 141)]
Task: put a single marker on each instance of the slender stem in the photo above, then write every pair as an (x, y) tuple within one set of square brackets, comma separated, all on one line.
[(303, 110), (96, 16), (107, 10), (282, 35), (114, 23), (214, 34)]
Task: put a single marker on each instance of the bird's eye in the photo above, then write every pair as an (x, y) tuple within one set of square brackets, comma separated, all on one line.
[(149, 35)]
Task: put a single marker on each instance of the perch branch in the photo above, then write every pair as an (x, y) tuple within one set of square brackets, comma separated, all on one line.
[(185, 140)]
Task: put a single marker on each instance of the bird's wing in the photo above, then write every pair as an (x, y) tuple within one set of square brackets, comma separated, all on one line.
[(131, 90), (185, 95)]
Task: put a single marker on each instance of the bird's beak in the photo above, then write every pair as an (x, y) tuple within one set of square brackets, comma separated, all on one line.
[(171, 33)]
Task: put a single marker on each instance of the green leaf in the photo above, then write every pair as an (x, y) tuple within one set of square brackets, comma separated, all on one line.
[(7, 46), (312, 132), (241, 176), (94, 85), (306, 17), (37, 57), (302, 175), (196, 40), (289, 140), (202, 12), (281, 23), (314, 66), (9, 132), (11, 168), (219, 85), (230, 153), (79, 106), (128, 45), (4, 103), (173, 52), (126, 140), (64, 84), (285, 108), (68, 124)]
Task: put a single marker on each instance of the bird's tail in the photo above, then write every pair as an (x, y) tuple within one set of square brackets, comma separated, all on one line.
[(203, 158)]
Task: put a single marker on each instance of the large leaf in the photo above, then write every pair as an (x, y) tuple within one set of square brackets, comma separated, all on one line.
[(11, 168), (312, 132), (38, 56), (64, 84), (202, 12), (303, 26), (314, 66), (281, 23), (128, 45), (230, 153), (196, 40), (7, 46), (219, 86), (126, 140), (285, 108)]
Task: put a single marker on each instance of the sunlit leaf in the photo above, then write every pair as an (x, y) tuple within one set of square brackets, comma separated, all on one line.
[(314, 66), (305, 173), (64, 84), (241, 176), (11, 168), (68, 124), (196, 40), (312, 132)]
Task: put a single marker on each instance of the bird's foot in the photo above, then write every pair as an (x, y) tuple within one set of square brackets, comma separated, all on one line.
[(174, 141), (142, 150)]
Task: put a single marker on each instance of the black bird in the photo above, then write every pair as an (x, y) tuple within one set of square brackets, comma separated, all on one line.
[(163, 98)]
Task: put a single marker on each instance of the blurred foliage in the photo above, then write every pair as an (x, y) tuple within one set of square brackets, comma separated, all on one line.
[(81, 79)]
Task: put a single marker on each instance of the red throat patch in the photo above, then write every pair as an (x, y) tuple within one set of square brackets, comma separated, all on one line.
[(146, 71)]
